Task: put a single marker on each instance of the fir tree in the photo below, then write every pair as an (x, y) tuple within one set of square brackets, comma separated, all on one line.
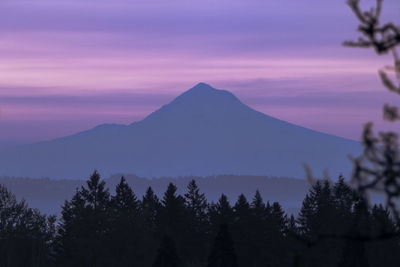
[(196, 204), (150, 213), (125, 228), (221, 212), (172, 211), (242, 232), (258, 206), (26, 235), (174, 220), (150, 209), (84, 228), (125, 202)]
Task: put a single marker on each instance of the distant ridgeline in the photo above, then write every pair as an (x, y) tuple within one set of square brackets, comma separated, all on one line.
[(335, 227), (203, 132)]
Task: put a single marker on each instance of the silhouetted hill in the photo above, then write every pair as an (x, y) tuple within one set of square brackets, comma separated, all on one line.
[(48, 195), (203, 132)]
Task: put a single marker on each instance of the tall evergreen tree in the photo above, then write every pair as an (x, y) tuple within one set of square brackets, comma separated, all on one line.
[(196, 202), (26, 236), (258, 206), (150, 213), (221, 212), (309, 211), (276, 226), (354, 253), (172, 213), (84, 228), (258, 254), (197, 225), (125, 202), (316, 221), (125, 232), (278, 217), (242, 232), (150, 209), (174, 219), (242, 209)]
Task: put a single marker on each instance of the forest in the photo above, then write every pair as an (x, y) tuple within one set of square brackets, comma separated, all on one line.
[(335, 227)]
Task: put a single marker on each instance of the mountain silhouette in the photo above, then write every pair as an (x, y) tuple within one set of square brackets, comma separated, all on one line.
[(204, 131)]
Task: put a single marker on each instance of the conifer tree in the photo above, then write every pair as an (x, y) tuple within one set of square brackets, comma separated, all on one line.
[(241, 231), (317, 226), (172, 211), (150, 213), (258, 206), (354, 253), (197, 225), (84, 229), (150, 209), (26, 235), (196, 202), (221, 212), (278, 217), (125, 200), (260, 241), (174, 219), (309, 210), (125, 232), (242, 209)]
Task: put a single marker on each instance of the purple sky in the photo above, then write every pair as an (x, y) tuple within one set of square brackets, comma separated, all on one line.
[(67, 66)]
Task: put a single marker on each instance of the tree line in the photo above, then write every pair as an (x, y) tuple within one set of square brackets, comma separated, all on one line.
[(335, 227)]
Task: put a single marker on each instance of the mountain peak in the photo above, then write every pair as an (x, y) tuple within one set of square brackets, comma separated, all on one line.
[(203, 92), (202, 89), (202, 86), (202, 101), (203, 132)]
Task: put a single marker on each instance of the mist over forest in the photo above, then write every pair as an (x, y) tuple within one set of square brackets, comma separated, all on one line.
[(48, 195)]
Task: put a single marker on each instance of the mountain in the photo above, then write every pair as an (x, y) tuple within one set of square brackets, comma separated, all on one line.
[(204, 131)]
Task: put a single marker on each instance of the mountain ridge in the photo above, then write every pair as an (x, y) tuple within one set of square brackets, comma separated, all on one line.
[(204, 131)]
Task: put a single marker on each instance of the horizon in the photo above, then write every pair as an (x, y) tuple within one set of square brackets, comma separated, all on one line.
[(66, 69)]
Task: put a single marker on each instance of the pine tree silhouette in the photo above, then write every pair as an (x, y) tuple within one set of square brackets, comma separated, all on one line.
[(150, 213), (125, 228), (85, 223), (150, 209), (197, 225), (172, 213), (221, 212), (336, 227), (241, 231), (26, 235), (196, 202)]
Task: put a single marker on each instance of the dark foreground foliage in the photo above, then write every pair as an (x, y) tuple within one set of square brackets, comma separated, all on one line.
[(334, 228)]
